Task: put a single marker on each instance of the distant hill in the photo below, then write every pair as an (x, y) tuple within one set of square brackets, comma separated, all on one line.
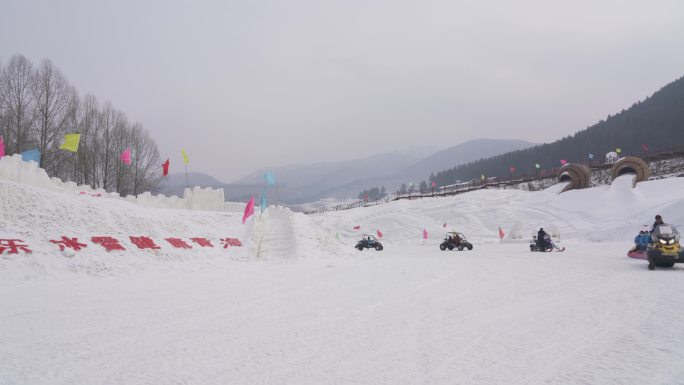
[(311, 182), (656, 123), (460, 154), (330, 174), (194, 178)]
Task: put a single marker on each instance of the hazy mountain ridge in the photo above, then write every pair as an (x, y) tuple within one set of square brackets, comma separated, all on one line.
[(310, 182), (656, 122)]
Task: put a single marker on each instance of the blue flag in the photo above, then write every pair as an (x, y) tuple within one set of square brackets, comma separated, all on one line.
[(263, 204), (591, 156), (31, 156), (270, 178)]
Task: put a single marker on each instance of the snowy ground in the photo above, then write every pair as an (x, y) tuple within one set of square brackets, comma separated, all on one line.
[(295, 305)]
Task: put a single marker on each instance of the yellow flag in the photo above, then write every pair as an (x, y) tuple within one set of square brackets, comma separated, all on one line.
[(71, 142), (185, 157), (618, 150)]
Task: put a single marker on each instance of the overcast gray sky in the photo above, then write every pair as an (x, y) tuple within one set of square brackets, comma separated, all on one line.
[(248, 84)]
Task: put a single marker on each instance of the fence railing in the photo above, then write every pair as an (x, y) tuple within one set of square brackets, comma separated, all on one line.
[(653, 154)]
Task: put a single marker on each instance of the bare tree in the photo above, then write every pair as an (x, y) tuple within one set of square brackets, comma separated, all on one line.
[(38, 107), (16, 83), (55, 101), (146, 164)]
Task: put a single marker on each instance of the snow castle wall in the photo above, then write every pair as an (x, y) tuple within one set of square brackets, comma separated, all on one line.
[(14, 169)]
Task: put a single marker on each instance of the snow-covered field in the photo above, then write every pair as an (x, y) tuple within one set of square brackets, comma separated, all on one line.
[(296, 305)]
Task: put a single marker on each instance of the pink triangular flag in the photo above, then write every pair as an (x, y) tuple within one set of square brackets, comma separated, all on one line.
[(379, 234), (425, 234), (249, 210), (501, 233), (2, 147), (126, 156)]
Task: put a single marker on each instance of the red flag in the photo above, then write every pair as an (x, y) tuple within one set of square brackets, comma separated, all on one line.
[(512, 169), (563, 162), (357, 227), (365, 198), (434, 184), (643, 146), (165, 167), (425, 235), (379, 234), (501, 233), (249, 210), (2, 147)]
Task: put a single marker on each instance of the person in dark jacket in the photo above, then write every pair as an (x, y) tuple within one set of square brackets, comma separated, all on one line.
[(541, 239), (658, 222)]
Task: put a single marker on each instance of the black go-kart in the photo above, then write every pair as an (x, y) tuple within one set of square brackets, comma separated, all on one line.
[(455, 240), (545, 246), (368, 242)]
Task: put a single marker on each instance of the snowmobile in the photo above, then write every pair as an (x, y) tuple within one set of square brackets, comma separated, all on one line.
[(368, 242), (665, 251), (456, 240), (548, 245)]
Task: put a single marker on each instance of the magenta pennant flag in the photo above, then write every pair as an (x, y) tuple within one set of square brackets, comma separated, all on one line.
[(2, 147), (425, 234), (126, 156), (643, 146), (379, 234), (564, 162), (249, 210)]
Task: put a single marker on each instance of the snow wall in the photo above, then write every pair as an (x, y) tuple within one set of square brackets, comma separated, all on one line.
[(14, 169)]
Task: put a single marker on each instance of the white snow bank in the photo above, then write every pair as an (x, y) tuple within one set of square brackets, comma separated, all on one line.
[(14, 169)]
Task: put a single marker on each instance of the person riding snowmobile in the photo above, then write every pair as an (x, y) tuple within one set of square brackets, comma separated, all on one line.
[(541, 239), (658, 222)]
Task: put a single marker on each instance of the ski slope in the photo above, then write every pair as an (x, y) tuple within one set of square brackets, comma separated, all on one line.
[(296, 305)]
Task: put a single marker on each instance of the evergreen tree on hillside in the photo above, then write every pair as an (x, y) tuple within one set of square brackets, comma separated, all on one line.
[(653, 125)]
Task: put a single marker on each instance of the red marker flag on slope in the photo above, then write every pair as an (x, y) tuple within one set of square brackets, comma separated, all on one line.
[(425, 234), (501, 233), (249, 210), (379, 234), (357, 227), (643, 146), (511, 169), (165, 167), (563, 162)]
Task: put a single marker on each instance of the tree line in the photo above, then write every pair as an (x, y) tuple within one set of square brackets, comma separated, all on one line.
[(653, 125), (38, 107)]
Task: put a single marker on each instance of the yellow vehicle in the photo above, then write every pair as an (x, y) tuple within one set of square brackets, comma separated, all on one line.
[(665, 250)]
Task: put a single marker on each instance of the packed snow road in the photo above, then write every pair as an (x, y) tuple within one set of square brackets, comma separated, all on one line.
[(408, 315)]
